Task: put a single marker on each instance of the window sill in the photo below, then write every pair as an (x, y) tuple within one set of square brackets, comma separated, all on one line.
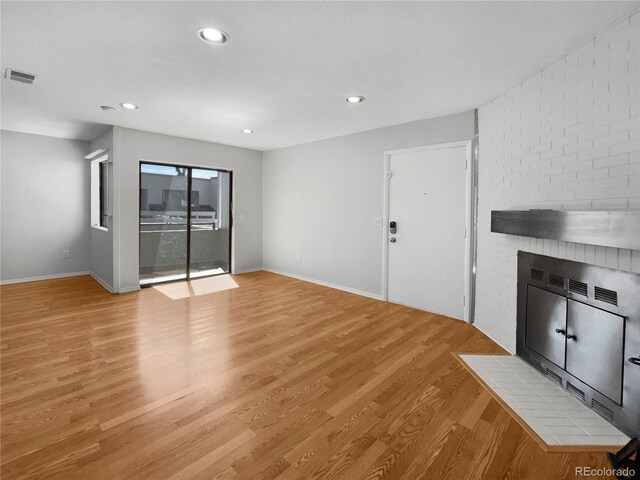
[(98, 227)]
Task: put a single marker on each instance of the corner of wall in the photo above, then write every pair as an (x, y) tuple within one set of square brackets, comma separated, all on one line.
[(101, 249), (117, 182)]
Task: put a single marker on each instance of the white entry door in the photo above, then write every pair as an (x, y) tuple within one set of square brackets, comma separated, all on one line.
[(426, 255)]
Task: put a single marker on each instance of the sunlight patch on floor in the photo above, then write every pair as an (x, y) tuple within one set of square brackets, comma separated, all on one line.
[(194, 288)]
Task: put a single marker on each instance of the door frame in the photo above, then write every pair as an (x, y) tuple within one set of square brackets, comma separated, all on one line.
[(468, 260), (189, 179)]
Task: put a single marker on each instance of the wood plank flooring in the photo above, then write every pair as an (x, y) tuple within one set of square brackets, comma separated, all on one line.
[(275, 379)]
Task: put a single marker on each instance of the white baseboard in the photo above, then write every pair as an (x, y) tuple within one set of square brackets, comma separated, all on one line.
[(42, 277), (110, 289), (129, 289), (362, 293), (104, 284), (247, 270)]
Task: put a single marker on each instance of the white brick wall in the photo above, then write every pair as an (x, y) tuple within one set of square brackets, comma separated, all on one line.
[(566, 138)]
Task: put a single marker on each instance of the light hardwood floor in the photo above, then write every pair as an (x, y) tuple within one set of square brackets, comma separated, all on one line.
[(275, 379)]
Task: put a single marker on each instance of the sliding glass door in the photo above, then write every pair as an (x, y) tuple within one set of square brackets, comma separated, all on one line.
[(163, 223), (185, 222)]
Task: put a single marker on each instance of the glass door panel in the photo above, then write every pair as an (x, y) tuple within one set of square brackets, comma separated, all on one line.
[(210, 222), (163, 223)]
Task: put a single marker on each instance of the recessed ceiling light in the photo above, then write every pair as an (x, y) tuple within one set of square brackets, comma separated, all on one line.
[(246, 130), (213, 35), (355, 99), (129, 106)]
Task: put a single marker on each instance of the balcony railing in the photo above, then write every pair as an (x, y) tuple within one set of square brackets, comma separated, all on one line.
[(150, 220)]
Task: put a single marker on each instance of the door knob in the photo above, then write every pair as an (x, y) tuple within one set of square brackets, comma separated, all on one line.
[(559, 330), (392, 239), (571, 337), (635, 360)]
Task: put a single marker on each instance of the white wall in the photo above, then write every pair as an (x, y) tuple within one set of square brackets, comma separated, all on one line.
[(45, 206), (102, 241), (132, 146), (566, 138), (320, 199)]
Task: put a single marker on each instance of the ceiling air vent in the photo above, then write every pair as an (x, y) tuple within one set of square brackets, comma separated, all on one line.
[(578, 287), (18, 76), (556, 280), (537, 275), (607, 296)]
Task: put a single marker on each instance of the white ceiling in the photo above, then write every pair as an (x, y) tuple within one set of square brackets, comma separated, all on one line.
[(287, 68)]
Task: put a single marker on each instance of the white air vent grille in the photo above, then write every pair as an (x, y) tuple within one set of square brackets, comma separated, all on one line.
[(18, 76)]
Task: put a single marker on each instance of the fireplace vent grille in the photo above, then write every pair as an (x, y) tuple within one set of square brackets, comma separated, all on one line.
[(556, 280), (601, 409), (607, 296), (575, 391), (537, 275), (554, 376), (578, 287)]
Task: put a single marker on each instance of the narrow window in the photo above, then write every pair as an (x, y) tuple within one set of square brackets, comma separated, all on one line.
[(103, 194), (99, 193)]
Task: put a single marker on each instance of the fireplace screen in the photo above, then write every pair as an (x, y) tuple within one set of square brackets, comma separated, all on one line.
[(579, 324)]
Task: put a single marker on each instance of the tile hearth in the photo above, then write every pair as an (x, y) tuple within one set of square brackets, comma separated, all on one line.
[(552, 413)]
